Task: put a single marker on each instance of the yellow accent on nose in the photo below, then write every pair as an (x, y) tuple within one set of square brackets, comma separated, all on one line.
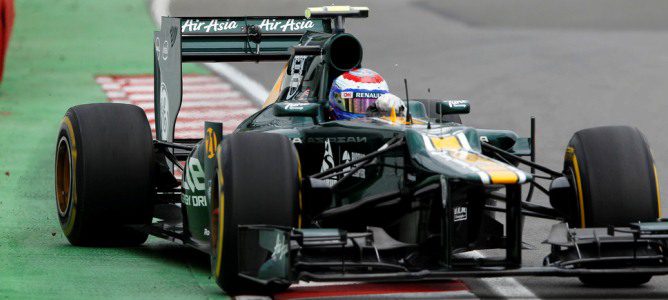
[(503, 177), (393, 115), (446, 143)]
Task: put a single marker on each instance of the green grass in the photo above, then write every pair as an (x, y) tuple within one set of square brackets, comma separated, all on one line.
[(56, 49)]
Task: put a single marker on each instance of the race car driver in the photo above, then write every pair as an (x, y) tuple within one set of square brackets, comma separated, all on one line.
[(362, 92)]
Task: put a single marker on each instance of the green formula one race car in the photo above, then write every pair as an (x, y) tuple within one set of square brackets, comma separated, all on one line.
[(294, 194)]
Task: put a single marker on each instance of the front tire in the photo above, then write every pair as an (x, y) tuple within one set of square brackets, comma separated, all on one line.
[(258, 183), (615, 181), (613, 172), (103, 174)]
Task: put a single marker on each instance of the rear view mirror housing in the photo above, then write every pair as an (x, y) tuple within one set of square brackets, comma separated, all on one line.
[(297, 109), (453, 107)]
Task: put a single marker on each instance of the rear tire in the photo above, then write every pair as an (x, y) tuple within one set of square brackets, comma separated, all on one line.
[(103, 174), (258, 183), (615, 181)]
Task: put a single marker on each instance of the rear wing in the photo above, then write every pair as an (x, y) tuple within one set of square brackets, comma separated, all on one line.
[(217, 39)]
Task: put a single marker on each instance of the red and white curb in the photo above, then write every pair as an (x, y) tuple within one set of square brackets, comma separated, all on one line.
[(205, 98), (404, 290)]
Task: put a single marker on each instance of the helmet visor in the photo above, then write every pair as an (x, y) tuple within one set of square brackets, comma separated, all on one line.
[(351, 102)]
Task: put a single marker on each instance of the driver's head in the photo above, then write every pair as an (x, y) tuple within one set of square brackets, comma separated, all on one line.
[(354, 91)]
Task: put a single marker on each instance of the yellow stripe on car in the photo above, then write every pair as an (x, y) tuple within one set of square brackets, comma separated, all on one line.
[(446, 143), (499, 173), (456, 147), (503, 177)]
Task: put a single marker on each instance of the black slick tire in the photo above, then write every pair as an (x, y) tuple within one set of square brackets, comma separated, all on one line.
[(103, 174), (615, 181), (258, 183)]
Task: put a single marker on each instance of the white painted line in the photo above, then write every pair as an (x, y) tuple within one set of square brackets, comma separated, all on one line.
[(507, 287), (232, 74)]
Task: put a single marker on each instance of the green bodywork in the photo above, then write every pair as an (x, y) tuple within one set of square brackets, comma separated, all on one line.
[(349, 139), (434, 153)]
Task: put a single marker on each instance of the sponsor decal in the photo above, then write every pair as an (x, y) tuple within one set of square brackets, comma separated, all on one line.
[(197, 201), (296, 70), (328, 161), (211, 143), (164, 111), (194, 176), (460, 213), (280, 248), (295, 106), (337, 139), (296, 140), (165, 50), (350, 156), (367, 95), (194, 183), (457, 103), (346, 95), (220, 25), (214, 25), (287, 25), (483, 138)]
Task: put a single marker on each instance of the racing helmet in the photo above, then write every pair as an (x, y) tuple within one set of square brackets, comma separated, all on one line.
[(354, 91)]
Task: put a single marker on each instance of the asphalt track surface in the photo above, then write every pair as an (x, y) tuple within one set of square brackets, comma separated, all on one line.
[(576, 65), (571, 64)]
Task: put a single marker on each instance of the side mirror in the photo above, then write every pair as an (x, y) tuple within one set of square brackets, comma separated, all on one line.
[(452, 107), (297, 109)]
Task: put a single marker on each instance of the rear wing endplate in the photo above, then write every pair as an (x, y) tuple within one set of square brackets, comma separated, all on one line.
[(217, 39)]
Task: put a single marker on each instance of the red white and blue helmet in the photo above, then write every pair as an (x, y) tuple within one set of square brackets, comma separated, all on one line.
[(354, 91)]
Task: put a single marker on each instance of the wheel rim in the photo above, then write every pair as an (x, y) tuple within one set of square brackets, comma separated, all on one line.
[(63, 177)]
